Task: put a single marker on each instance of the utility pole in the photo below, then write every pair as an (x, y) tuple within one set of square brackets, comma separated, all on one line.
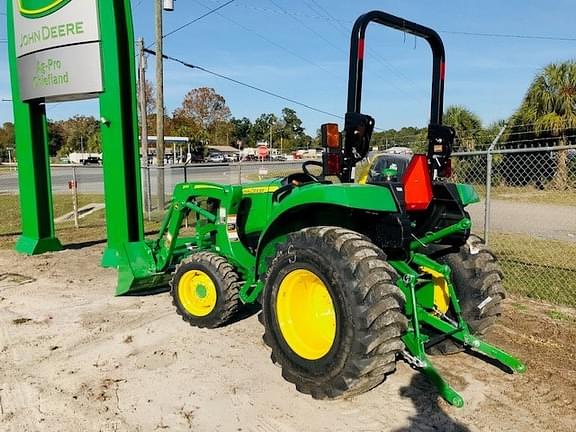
[(270, 135), (160, 105), (143, 118)]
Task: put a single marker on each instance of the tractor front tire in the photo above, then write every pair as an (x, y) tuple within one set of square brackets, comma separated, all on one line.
[(477, 280), (205, 290), (332, 313)]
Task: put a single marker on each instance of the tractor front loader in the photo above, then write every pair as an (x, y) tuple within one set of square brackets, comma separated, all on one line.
[(350, 277)]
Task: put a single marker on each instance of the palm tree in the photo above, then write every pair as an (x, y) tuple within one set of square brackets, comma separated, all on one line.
[(550, 105), (468, 126)]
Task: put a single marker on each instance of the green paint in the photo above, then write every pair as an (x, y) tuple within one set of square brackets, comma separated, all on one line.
[(40, 8), (46, 33), (122, 184), (119, 132), (420, 311), (201, 291), (38, 234), (467, 194)]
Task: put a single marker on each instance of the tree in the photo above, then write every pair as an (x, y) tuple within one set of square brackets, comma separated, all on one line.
[(262, 126), (56, 137), (150, 98), (185, 126), (202, 117), (7, 138), (291, 130), (205, 108), (241, 130), (411, 137), (81, 133), (550, 106), (468, 126)]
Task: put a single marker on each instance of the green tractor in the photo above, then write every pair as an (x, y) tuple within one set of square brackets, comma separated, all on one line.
[(350, 277)]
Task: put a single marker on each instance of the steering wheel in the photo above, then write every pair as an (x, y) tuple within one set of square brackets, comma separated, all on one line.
[(305, 166)]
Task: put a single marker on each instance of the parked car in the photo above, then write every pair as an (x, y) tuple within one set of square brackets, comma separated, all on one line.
[(215, 157), (91, 160)]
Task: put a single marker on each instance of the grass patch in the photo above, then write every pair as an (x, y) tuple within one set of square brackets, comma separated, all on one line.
[(92, 227), (540, 269), (520, 306), (558, 316), (533, 195)]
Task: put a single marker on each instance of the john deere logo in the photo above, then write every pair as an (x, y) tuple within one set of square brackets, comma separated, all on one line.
[(40, 8)]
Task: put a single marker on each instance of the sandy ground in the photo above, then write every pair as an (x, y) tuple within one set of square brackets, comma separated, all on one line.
[(75, 358)]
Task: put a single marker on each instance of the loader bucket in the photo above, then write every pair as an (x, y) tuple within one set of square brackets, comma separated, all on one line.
[(137, 270)]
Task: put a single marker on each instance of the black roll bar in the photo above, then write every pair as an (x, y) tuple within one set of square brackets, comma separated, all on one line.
[(357, 59)]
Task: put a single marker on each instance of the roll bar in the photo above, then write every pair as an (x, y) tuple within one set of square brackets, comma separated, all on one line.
[(358, 127), (357, 59)]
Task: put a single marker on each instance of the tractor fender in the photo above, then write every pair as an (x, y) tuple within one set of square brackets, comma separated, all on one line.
[(320, 205)]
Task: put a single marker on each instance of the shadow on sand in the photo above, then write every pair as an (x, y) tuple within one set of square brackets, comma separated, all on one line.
[(429, 415)]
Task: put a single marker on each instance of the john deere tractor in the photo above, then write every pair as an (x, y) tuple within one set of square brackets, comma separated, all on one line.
[(350, 277)]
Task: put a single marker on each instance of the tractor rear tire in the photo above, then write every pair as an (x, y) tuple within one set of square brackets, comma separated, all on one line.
[(332, 313), (477, 279), (205, 290)]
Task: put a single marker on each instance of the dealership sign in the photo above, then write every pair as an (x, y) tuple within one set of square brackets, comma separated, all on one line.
[(58, 49)]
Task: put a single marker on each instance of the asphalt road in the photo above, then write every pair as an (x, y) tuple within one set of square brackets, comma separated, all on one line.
[(90, 178), (548, 221)]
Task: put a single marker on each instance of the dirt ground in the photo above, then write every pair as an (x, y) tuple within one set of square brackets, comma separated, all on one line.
[(75, 358)]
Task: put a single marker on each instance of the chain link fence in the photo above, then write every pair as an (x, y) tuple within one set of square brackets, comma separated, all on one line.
[(527, 215), (527, 212)]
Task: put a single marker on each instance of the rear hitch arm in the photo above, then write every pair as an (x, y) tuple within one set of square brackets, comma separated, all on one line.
[(416, 341)]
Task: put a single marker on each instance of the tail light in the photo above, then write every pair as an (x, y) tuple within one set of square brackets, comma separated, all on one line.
[(330, 136), (332, 143), (417, 184)]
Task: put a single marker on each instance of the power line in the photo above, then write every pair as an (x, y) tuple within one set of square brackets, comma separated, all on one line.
[(210, 12), (277, 45), (309, 28), (339, 26), (250, 86), (511, 36), (317, 16)]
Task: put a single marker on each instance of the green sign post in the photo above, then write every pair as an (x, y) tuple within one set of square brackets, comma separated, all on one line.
[(62, 50)]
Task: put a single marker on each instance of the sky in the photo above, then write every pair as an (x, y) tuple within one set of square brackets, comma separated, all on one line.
[(300, 48)]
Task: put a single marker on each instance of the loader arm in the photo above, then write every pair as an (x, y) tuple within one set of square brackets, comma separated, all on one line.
[(145, 265)]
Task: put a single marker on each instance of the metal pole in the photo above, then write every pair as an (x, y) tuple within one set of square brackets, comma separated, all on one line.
[(487, 203), (143, 114), (149, 193), (270, 136), (75, 197), (160, 105)]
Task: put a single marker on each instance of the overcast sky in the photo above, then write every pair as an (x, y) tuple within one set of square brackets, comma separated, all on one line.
[(299, 49)]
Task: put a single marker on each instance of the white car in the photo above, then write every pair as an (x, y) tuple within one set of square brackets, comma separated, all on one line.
[(215, 157)]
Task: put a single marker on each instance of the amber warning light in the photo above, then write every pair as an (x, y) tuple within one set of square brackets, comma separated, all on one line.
[(332, 143)]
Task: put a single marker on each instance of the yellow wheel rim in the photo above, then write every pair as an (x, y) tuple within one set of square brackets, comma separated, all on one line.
[(197, 293), (306, 314)]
